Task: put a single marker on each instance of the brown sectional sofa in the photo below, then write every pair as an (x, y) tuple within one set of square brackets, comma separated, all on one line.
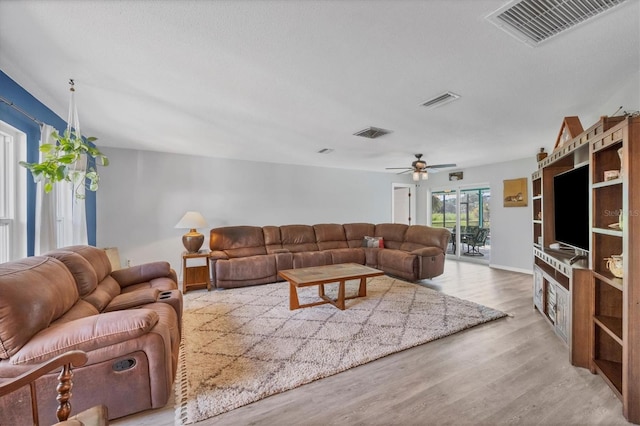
[(250, 255), (127, 321)]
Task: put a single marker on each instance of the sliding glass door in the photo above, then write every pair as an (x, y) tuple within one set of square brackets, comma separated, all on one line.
[(466, 213)]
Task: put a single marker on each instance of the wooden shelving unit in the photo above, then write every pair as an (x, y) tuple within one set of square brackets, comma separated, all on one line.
[(604, 311), (615, 330), (559, 287)]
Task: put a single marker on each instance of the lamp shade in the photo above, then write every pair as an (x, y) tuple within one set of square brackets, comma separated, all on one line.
[(192, 220), (192, 240)]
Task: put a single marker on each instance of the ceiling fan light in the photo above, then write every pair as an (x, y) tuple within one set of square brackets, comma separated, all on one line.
[(416, 176), (425, 175)]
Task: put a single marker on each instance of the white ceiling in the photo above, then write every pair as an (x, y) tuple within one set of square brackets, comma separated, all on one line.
[(277, 81)]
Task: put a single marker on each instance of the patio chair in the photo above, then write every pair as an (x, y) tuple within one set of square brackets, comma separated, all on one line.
[(95, 416), (475, 241)]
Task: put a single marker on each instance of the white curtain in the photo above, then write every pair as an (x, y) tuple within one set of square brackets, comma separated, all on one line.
[(60, 216), (46, 229)]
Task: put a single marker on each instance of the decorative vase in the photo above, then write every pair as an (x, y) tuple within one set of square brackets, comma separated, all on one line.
[(541, 155)]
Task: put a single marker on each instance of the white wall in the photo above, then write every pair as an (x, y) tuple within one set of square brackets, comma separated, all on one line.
[(511, 228), (144, 194)]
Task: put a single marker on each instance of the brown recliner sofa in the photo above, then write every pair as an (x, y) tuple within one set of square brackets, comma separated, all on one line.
[(250, 255), (127, 321)]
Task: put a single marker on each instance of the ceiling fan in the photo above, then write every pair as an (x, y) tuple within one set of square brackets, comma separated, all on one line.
[(420, 168)]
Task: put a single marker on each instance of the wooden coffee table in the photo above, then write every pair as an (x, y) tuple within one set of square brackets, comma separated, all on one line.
[(321, 275)]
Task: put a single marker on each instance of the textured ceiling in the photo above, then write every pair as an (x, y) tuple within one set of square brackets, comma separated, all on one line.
[(277, 81)]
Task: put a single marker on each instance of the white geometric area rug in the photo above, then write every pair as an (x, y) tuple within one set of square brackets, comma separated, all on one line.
[(244, 344)]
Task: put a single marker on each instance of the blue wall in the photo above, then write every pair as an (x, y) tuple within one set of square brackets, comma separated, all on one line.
[(12, 92)]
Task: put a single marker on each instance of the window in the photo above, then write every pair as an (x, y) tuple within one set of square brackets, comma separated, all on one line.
[(13, 194)]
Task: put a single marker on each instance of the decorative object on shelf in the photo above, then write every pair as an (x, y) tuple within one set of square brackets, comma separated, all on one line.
[(620, 154), (66, 159), (192, 240), (615, 226), (614, 264), (571, 127), (611, 174), (453, 176), (515, 192), (541, 155)]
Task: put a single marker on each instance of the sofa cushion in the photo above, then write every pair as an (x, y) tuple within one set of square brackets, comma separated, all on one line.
[(86, 334), (33, 292), (96, 257), (81, 309), (246, 268), (272, 240), (355, 232), (298, 238), (330, 236), (392, 233), (399, 263), (105, 292), (80, 268), (419, 236), (238, 241), (141, 273), (133, 299), (311, 258), (347, 255)]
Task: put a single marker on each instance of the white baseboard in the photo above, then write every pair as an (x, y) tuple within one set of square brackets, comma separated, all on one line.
[(511, 268)]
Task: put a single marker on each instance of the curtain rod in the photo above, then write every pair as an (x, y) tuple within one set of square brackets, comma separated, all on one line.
[(21, 111)]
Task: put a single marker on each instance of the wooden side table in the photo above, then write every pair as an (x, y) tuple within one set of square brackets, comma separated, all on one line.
[(195, 276)]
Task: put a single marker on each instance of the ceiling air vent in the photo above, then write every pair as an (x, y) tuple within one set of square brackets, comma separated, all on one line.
[(372, 132), (440, 100), (534, 21)]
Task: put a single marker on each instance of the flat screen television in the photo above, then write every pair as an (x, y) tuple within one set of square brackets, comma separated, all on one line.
[(571, 207)]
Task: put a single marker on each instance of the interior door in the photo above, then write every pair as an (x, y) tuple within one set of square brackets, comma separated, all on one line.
[(403, 204)]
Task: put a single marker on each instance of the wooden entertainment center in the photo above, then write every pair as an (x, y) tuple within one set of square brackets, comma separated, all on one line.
[(595, 313)]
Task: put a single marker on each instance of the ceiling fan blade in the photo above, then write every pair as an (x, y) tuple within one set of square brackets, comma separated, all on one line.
[(440, 166), (406, 171), (398, 168)]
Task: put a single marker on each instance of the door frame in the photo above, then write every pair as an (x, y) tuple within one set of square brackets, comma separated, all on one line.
[(456, 189), (412, 203)]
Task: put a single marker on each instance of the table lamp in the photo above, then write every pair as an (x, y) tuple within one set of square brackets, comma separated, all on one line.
[(192, 240)]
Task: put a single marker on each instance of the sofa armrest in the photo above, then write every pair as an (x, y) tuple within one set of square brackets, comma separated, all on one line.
[(142, 273), (427, 251), (86, 334), (218, 255), (133, 299)]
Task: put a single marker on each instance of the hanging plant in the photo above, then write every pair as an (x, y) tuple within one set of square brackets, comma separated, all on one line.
[(62, 161), (66, 158)]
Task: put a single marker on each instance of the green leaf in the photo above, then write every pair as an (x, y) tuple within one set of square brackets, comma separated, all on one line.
[(46, 147), (67, 159), (60, 173), (48, 187), (92, 139)]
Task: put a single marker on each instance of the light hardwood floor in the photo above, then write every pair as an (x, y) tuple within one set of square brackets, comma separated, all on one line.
[(510, 371)]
